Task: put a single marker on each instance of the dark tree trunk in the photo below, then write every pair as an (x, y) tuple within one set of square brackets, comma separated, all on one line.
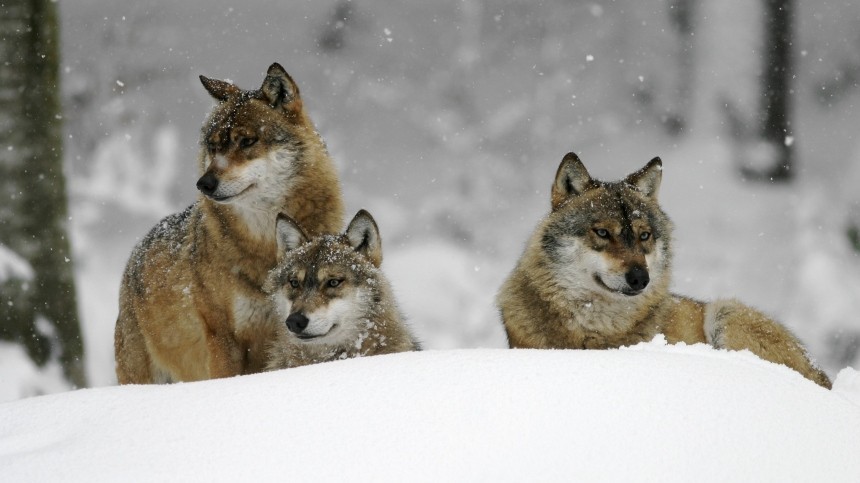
[(40, 313), (682, 15), (776, 86)]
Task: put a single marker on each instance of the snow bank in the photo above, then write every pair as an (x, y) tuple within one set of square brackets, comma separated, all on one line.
[(650, 413)]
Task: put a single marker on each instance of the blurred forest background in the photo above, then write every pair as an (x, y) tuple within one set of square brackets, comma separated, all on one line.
[(447, 120)]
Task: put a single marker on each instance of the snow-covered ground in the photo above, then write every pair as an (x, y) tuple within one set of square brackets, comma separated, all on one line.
[(649, 413)]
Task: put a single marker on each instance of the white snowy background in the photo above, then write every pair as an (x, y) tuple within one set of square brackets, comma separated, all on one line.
[(447, 120)]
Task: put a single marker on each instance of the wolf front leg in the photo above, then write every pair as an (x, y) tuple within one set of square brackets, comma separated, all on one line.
[(226, 356), (133, 363), (732, 325)]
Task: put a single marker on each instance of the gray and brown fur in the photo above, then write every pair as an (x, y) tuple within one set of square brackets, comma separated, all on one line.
[(191, 301), (332, 298), (596, 273)]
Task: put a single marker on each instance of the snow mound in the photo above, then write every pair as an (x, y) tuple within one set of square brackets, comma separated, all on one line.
[(655, 413)]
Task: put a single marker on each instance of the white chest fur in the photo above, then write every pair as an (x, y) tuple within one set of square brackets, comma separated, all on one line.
[(250, 312)]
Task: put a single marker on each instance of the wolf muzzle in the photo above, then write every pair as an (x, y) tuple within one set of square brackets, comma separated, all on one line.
[(207, 184), (637, 278), (297, 322)]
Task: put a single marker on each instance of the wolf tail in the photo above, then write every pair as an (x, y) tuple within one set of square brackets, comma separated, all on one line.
[(729, 324)]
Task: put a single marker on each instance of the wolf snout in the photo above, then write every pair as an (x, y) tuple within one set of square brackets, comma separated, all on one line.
[(207, 184), (637, 278), (297, 322)]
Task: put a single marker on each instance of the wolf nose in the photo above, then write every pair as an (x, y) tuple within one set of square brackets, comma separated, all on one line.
[(207, 184), (297, 322), (637, 278)]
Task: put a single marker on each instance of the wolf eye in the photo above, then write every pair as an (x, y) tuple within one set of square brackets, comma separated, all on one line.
[(294, 283), (333, 282), (247, 142), (644, 235), (601, 232)]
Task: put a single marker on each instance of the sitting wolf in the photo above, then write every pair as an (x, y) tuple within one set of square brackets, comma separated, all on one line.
[(596, 273)]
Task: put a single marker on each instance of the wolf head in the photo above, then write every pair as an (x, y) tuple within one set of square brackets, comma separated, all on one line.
[(609, 238), (252, 140), (327, 287)]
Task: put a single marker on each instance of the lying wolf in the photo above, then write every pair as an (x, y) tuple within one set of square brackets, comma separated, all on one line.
[(332, 298), (596, 273), (191, 301)]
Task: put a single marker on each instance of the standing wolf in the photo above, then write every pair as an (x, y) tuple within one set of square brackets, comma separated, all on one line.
[(191, 301), (331, 297), (595, 275)]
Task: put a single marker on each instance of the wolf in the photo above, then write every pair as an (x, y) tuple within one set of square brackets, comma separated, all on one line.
[(332, 298), (191, 302), (596, 272)]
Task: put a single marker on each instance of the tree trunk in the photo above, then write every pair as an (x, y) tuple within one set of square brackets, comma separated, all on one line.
[(682, 14), (41, 314), (776, 87)]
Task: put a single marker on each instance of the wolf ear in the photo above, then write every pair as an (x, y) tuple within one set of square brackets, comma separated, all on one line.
[(219, 89), (278, 87), (571, 179), (363, 235), (647, 180), (289, 235)]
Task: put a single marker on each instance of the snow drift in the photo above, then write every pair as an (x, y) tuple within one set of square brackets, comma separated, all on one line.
[(651, 412)]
